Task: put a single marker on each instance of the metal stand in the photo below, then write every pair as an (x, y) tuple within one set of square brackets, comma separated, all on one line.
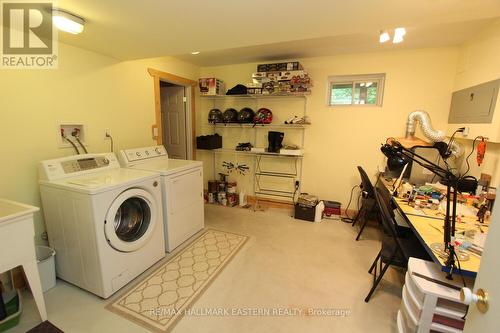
[(395, 149)]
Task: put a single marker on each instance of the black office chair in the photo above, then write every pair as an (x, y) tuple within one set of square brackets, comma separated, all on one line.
[(397, 246), (368, 203)]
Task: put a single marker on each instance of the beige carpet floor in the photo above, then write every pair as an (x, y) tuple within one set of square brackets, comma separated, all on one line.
[(284, 263)]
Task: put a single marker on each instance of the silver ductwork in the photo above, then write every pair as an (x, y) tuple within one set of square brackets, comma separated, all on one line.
[(430, 133)]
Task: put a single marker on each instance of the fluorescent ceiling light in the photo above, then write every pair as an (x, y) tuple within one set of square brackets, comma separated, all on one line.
[(195, 52), (67, 22), (384, 37), (398, 35)]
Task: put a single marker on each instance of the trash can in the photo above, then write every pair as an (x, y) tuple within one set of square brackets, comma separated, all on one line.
[(46, 266)]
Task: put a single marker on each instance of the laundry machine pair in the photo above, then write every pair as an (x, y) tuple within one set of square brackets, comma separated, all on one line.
[(105, 222)]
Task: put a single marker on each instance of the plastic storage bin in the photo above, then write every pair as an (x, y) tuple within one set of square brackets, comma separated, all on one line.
[(46, 266), (14, 308)]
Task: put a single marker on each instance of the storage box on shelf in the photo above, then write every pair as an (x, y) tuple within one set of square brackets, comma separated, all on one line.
[(430, 302)]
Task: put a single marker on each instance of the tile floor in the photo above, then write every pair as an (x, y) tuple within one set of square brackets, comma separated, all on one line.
[(286, 263)]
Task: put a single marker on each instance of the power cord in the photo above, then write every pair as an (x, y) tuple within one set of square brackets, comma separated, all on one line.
[(347, 218), (463, 281), (471, 152), (111, 142), (295, 191)]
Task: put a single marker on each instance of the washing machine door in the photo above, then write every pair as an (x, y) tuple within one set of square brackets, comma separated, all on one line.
[(131, 220)]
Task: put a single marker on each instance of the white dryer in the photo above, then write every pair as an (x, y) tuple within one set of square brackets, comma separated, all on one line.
[(182, 188), (105, 222)]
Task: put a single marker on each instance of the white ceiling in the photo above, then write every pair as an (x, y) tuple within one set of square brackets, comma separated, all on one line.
[(231, 31)]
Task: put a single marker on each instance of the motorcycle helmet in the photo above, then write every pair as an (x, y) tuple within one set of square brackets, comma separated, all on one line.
[(230, 116), (215, 116), (246, 115), (263, 116)]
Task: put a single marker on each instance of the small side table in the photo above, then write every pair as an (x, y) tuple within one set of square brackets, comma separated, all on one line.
[(17, 246)]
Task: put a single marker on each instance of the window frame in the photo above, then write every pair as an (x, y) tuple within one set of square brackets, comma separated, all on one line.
[(354, 79)]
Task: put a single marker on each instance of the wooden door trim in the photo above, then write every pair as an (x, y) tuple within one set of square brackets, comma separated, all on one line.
[(157, 128)]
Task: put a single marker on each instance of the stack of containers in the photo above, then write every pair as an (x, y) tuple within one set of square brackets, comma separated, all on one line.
[(430, 302)]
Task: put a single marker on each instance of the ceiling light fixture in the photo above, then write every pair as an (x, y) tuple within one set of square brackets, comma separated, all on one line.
[(195, 52), (384, 36), (399, 33), (67, 22)]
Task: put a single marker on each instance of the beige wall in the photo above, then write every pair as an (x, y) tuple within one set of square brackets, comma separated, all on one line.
[(100, 91), (479, 62), (340, 138)]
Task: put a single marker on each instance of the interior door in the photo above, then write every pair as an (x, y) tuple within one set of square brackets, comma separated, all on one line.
[(487, 279), (173, 109)]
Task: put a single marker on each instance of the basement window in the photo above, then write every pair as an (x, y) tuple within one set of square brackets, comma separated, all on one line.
[(356, 90)]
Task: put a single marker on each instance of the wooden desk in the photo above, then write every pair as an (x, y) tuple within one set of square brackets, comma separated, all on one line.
[(429, 230), (427, 225)]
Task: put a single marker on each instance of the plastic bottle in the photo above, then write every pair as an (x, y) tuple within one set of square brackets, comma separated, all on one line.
[(318, 214)]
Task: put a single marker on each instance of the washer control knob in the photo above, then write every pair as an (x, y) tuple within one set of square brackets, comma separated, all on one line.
[(155, 183), (157, 150), (138, 154)]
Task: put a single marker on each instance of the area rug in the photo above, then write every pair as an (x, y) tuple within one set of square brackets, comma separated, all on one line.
[(158, 301)]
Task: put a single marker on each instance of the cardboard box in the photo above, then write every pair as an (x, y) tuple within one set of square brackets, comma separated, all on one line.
[(288, 75), (211, 86)]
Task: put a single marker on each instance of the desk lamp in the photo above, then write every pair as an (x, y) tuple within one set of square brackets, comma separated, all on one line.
[(397, 156)]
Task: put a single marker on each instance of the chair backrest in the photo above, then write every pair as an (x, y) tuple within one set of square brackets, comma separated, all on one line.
[(366, 183), (386, 196), (387, 219)]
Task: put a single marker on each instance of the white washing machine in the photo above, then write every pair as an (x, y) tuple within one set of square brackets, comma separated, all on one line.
[(182, 188), (105, 222)]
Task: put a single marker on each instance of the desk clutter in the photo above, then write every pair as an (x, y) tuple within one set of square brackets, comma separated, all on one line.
[(430, 196)]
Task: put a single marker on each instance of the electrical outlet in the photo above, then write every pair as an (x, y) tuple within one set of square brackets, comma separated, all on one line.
[(107, 133), (466, 131)]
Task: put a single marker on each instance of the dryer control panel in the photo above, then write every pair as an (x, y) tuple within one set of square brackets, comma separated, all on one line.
[(129, 157), (77, 165)]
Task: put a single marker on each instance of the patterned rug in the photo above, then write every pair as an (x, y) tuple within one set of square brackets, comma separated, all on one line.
[(160, 300)]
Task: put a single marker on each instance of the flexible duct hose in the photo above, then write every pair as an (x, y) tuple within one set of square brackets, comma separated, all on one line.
[(429, 132)]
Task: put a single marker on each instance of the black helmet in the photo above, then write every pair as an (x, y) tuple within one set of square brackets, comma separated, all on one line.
[(246, 115), (230, 116), (215, 116)]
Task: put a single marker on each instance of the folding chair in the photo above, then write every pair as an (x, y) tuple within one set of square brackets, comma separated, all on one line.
[(368, 204), (397, 247)]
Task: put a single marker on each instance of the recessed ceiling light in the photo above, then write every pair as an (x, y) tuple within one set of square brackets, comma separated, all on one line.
[(195, 52), (67, 22), (398, 35), (384, 37)]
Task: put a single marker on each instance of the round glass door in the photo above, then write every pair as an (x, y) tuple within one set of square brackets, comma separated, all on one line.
[(131, 220)]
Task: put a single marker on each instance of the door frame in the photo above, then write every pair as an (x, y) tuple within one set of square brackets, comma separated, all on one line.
[(189, 85)]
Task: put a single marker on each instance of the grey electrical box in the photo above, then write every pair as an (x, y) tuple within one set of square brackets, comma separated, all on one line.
[(474, 105)]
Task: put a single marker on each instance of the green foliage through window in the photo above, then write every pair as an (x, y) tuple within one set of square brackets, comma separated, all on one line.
[(362, 91)]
